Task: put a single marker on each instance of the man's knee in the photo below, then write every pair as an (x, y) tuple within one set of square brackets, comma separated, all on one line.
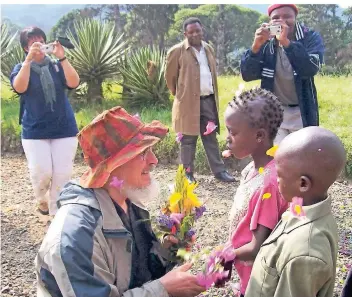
[(189, 140)]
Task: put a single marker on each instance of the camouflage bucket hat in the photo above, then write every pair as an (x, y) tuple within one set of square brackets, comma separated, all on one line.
[(112, 139)]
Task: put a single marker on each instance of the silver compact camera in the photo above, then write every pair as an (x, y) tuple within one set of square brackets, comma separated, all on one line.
[(275, 30), (47, 48)]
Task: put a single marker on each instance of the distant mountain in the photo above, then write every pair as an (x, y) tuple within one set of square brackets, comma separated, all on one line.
[(41, 15)]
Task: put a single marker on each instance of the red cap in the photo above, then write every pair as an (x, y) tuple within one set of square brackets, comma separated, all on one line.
[(275, 6)]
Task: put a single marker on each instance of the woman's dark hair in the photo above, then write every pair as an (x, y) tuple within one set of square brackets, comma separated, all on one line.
[(190, 21), (28, 33)]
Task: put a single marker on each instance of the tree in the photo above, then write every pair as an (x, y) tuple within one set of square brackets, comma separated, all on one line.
[(324, 19), (116, 13), (221, 40), (237, 25), (65, 23), (95, 57), (148, 25)]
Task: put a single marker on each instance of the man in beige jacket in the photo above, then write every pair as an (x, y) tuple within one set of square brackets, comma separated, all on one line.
[(191, 77)]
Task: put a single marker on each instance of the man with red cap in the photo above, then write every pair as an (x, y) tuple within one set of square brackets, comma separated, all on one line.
[(286, 63), (100, 243)]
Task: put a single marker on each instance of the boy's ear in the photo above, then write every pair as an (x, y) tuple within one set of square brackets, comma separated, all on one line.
[(261, 135), (306, 184)]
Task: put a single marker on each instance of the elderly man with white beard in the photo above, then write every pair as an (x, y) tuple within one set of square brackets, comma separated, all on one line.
[(100, 242)]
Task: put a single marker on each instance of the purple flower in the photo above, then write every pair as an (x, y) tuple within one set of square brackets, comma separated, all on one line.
[(190, 233), (199, 211), (165, 221), (179, 137)]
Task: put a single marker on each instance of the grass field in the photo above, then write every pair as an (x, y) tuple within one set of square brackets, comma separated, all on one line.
[(334, 95)]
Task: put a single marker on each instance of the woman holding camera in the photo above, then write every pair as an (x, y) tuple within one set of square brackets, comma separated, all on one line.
[(48, 124)]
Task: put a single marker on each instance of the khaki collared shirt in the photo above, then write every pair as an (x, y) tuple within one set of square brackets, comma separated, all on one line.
[(298, 259)]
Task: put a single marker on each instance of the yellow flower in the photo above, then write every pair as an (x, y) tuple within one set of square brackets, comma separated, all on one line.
[(266, 196), (298, 209), (174, 202), (271, 152), (261, 170)]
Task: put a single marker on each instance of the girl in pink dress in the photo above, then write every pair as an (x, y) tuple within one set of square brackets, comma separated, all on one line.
[(252, 120)]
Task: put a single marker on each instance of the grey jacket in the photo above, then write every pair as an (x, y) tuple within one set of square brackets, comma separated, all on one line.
[(87, 250)]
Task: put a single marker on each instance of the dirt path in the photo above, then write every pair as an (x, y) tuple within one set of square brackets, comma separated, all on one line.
[(22, 227)]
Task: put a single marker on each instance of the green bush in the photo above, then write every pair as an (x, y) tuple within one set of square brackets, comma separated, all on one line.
[(143, 78)]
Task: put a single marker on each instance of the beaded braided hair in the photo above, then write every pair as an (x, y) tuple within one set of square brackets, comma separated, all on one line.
[(271, 113)]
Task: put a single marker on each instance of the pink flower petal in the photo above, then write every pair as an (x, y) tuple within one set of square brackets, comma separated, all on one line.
[(296, 207), (188, 170), (205, 280), (228, 252), (177, 217), (210, 128), (179, 137), (116, 183)]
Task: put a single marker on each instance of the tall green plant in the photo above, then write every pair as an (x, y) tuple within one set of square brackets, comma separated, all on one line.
[(96, 54), (11, 52), (143, 78)]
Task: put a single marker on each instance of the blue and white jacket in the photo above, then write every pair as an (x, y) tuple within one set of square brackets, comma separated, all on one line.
[(87, 251), (306, 57)]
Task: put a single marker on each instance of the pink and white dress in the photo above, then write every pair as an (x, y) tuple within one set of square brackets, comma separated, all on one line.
[(251, 209)]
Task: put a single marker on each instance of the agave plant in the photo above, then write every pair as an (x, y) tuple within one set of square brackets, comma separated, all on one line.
[(11, 52), (6, 39), (96, 54), (143, 78), (12, 57)]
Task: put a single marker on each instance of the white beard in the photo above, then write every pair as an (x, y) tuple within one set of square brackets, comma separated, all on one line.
[(142, 196)]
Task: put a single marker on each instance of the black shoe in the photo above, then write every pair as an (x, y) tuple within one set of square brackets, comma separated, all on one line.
[(190, 177), (225, 177)]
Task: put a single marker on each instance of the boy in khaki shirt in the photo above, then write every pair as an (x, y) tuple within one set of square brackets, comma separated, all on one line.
[(298, 259)]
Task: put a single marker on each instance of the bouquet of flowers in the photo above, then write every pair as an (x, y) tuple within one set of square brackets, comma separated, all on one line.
[(181, 211)]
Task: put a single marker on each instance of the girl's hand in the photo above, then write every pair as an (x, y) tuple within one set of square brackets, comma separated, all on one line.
[(58, 51)]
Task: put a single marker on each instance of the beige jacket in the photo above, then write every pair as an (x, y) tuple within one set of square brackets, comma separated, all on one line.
[(299, 257), (182, 76)]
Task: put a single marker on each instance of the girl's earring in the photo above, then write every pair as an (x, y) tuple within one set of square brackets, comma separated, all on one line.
[(259, 140)]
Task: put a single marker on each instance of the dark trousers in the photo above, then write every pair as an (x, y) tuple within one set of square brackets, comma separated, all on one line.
[(347, 289), (208, 112)]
